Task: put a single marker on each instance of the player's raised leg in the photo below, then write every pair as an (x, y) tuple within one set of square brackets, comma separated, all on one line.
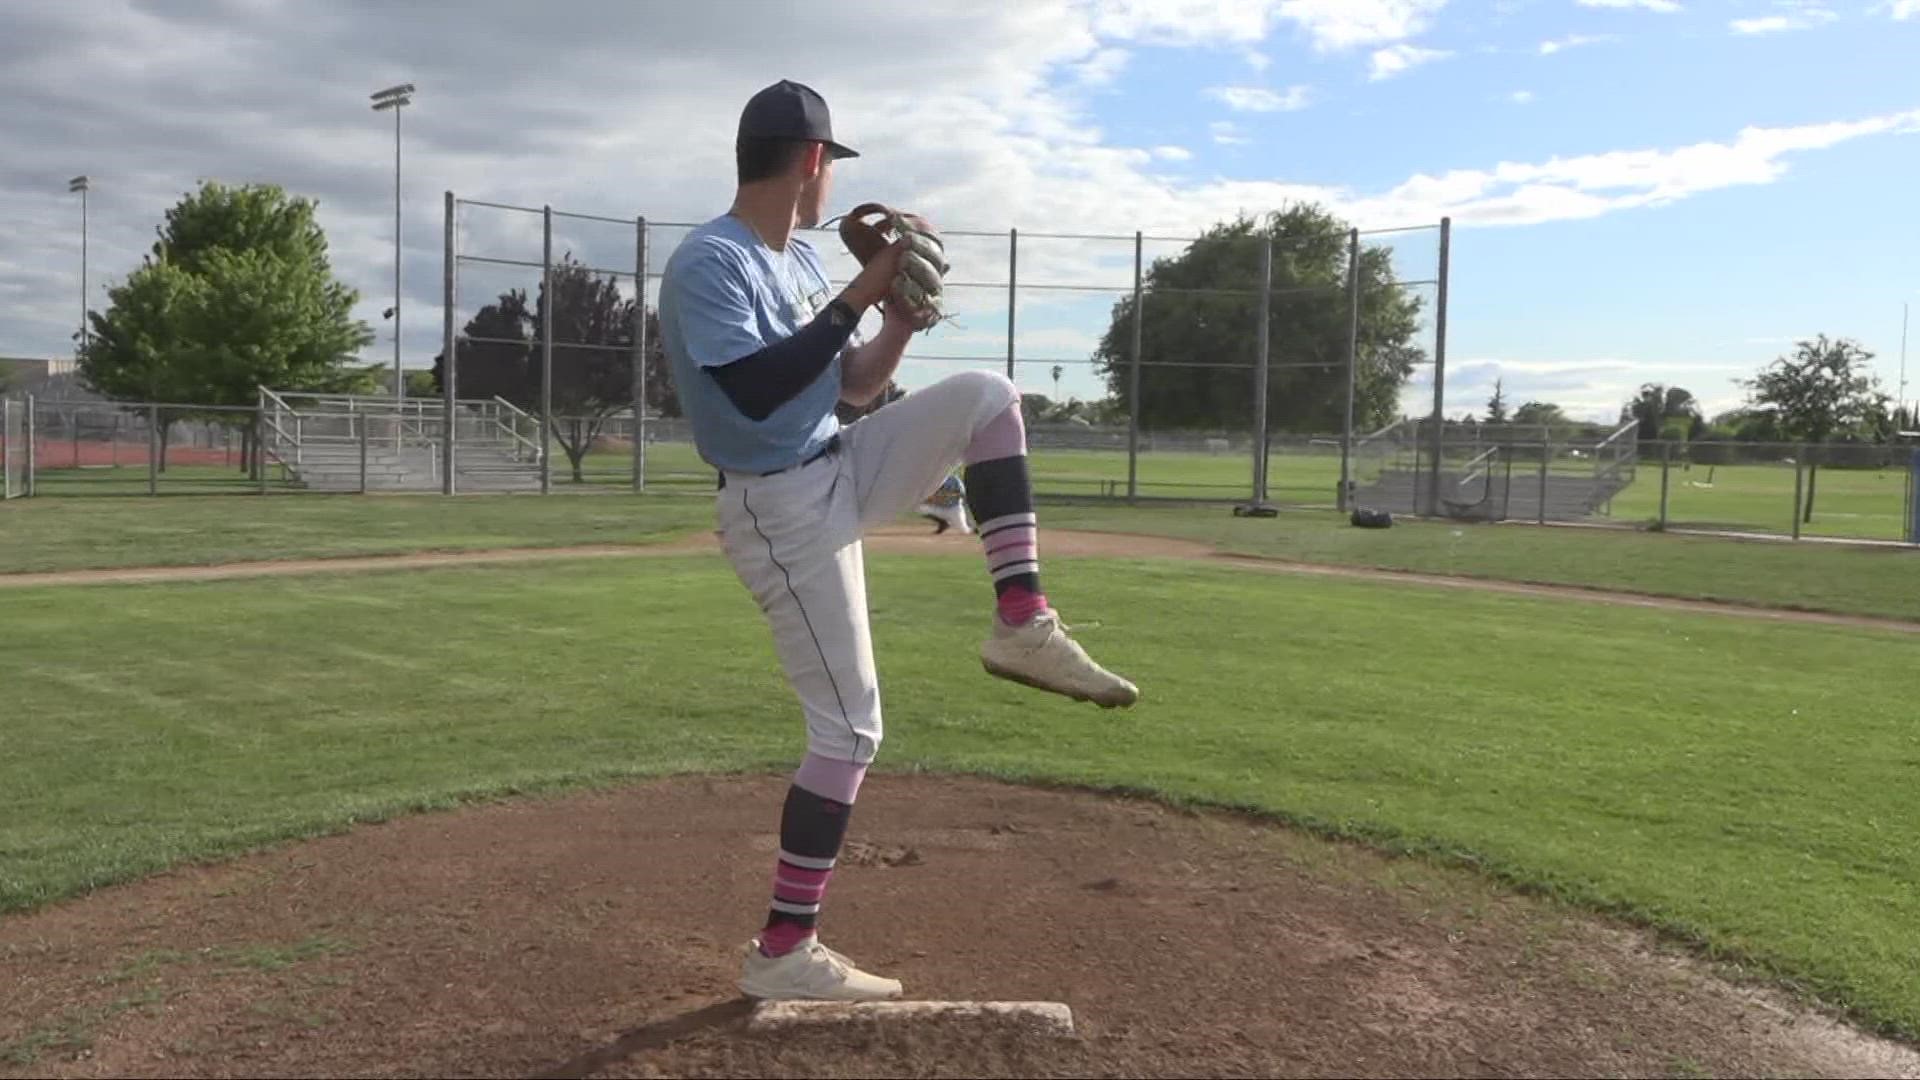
[(973, 419)]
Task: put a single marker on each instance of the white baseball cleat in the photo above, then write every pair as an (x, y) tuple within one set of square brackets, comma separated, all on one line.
[(947, 507), (811, 972), (1041, 655)]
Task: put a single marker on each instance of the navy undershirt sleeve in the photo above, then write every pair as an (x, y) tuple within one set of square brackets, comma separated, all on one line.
[(761, 382)]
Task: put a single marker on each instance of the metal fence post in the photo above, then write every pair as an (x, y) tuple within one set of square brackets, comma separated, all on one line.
[(260, 446), (6, 453), (449, 392), (33, 455), (361, 423), (1013, 278), (1260, 361), (1546, 465), (1666, 467), (1799, 480), (1133, 376), (1913, 496), (1353, 364), (640, 355), (1440, 366), (153, 449), (546, 350)]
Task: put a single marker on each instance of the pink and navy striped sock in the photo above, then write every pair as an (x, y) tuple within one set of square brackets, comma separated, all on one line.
[(1000, 495), (813, 823)]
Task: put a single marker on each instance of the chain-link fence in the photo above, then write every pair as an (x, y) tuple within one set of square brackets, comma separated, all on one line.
[(1593, 475), (1221, 340), (1281, 362), (83, 448), (1838, 491)]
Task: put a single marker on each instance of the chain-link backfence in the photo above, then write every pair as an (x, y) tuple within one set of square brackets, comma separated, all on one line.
[(1284, 361), (92, 447), (1235, 366)]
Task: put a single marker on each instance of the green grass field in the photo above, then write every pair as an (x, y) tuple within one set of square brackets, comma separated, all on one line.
[(66, 534), (128, 480), (1868, 581), (1293, 478), (1864, 504), (1743, 784), (70, 534), (1850, 503)]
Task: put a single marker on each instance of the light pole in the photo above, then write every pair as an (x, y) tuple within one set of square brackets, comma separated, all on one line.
[(82, 185), (393, 97), (1903, 364)]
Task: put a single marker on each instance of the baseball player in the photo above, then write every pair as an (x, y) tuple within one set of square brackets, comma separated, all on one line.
[(763, 351)]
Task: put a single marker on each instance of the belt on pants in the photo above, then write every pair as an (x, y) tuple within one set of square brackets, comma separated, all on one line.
[(832, 447)]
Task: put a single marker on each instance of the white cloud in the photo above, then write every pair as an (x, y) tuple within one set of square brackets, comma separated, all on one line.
[(1343, 24), (1902, 10), (999, 140), (1260, 61), (1593, 184), (1574, 41), (1260, 99), (1664, 7), (1102, 67), (1330, 25), (1592, 390), (1186, 22), (1227, 133), (1798, 16), (1521, 97), (1397, 59)]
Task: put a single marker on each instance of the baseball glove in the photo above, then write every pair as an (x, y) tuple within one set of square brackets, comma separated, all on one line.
[(920, 286)]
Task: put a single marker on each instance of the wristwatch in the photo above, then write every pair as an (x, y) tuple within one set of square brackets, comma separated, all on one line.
[(842, 313)]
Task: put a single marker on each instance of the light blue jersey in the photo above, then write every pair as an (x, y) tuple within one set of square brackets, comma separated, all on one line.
[(724, 296)]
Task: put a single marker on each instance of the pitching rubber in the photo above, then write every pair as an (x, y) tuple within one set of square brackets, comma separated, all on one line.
[(1050, 1018)]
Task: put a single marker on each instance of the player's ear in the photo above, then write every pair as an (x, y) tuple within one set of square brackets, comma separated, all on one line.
[(813, 160)]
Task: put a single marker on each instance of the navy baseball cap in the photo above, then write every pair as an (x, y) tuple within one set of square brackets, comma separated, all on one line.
[(790, 110)]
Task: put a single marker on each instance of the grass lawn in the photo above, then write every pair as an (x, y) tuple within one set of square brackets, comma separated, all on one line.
[(1291, 477), (1865, 504), (1810, 576), (126, 480), (67, 534), (1745, 785)]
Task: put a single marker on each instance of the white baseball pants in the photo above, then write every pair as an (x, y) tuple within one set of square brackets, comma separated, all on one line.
[(794, 539)]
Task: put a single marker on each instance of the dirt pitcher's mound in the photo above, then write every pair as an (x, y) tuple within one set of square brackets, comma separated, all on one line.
[(599, 934)]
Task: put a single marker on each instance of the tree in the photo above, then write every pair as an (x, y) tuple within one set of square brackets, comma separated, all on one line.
[(1539, 413), (421, 384), (592, 374), (1307, 330), (1497, 405), (237, 293), (1656, 405), (1822, 390)]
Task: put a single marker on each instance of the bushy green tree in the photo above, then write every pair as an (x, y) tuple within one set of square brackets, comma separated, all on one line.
[(237, 294), (1307, 325)]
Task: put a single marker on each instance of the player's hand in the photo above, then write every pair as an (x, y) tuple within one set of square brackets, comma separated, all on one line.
[(875, 279), (898, 316)]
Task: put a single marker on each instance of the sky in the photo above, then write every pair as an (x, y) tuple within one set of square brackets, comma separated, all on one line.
[(1640, 190)]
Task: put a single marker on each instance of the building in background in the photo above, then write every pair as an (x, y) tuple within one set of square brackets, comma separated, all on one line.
[(28, 372)]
